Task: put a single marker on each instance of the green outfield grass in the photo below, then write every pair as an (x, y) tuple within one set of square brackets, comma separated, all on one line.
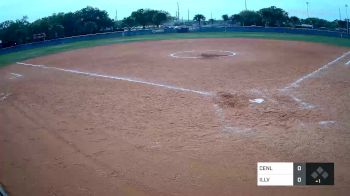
[(27, 54)]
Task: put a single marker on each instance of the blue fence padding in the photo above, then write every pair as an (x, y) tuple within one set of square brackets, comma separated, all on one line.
[(148, 32), (72, 39), (275, 30)]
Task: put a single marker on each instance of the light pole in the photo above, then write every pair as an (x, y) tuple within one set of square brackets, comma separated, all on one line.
[(188, 15), (178, 11), (307, 9), (347, 18), (245, 1)]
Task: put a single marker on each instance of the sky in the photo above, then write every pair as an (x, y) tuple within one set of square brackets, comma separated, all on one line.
[(35, 9)]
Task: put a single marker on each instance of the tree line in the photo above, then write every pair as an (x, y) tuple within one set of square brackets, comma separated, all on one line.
[(277, 17), (91, 20), (144, 17), (85, 21), (88, 20)]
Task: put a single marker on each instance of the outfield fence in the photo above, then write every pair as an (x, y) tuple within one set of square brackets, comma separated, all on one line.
[(276, 30), (149, 32)]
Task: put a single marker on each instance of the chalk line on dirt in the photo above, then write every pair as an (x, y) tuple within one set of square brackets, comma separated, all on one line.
[(221, 116), (312, 74), (296, 83), (302, 103), (16, 75), (4, 96), (258, 100), (176, 54), (329, 122), (120, 78), (226, 127)]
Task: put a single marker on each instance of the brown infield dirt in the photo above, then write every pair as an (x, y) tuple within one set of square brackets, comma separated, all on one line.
[(65, 133)]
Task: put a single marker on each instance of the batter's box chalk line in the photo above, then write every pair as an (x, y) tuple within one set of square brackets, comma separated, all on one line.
[(227, 127)]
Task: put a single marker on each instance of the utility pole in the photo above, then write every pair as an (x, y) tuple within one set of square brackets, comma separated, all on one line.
[(178, 11), (116, 15), (245, 1), (339, 14), (188, 15), (347, 18), (307, 9)]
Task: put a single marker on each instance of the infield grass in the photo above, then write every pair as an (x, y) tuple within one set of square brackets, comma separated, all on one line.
[(31, 53)]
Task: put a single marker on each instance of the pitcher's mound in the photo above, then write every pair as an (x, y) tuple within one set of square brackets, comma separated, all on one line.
[(202, 54)]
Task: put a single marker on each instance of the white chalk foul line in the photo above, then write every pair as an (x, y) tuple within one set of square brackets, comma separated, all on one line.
[(302, 103), (120, 78), (312, 74), (296, 83)]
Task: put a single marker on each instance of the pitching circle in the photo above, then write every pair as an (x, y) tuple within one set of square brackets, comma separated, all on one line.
[(191, 54)]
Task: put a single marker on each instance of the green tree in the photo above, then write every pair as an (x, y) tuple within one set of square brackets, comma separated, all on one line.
[(249, 18), (160, 17), (149, 14), (211, 21), (56, 31), (294, 21), (71, 24), (273, 16), (90, 27), (40, 26), (317, 23), (15, 32), (199, 18), (236, 19), (140, 17), (340, 23), (128, 22), (52, 26), (89, 15), (225, 17)]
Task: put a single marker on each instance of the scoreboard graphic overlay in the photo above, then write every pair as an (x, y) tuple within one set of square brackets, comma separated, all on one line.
[(294, 174)]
